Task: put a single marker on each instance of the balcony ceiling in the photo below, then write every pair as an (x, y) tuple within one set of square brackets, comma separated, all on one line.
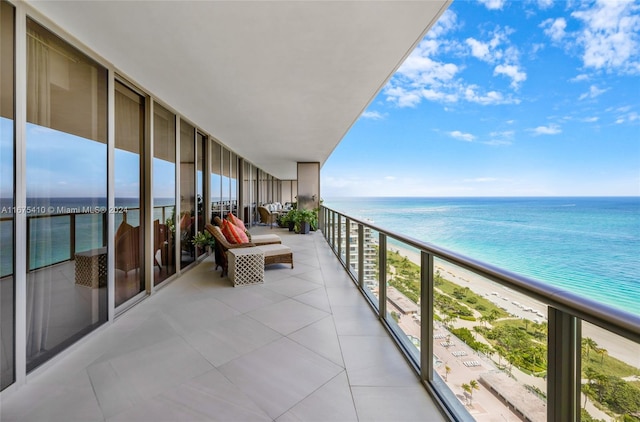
[(276, 81)]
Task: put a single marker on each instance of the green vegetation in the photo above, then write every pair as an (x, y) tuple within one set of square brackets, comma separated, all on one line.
[(519, 342), (406, 277)]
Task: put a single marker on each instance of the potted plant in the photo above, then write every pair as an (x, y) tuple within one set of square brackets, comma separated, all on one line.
[(288, 219), (204, 240), (303, 220)]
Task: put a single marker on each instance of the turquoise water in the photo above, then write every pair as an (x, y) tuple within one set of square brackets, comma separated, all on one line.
[(590, 246), (50, 237)]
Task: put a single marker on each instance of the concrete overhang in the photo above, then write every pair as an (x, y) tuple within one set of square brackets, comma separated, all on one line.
[(276, 81)]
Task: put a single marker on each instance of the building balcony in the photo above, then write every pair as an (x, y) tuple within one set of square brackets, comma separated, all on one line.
[(305, 345)]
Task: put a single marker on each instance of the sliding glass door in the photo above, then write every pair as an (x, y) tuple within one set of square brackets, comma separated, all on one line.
[(164, 193), (7, 201), (66, 182), (129, 208)]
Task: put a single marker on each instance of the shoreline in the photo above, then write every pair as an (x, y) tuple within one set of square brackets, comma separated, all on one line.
[(616, 346)]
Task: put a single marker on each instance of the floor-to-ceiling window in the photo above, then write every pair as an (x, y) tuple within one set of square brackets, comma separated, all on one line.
[(129, 239), (216, 180), (247, 192), (200, 173), (7, 202), (66, 183), (186, 224), (233, 184), (164, 193), (226, 180)]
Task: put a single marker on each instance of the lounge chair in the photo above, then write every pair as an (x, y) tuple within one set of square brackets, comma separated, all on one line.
[(267, 217), (256, 239), (273, 253)]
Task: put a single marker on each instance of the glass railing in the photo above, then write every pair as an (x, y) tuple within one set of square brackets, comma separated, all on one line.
[(489, 344), (72, 232)]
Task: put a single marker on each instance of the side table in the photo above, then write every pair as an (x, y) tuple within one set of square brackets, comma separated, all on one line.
[(246, 266), (91, 268)]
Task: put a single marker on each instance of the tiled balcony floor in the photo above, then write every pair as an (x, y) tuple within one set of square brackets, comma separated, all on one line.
[(304, 346)]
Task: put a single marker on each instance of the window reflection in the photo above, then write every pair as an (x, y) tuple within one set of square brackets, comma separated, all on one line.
[(164, 193), (66, 168), (129, 236), (7, 201), (186, 223)]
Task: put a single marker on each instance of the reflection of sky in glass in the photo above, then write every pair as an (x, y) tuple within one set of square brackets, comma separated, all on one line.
[(127, 174), (6, 157), (63, 165), (215, 187), (164, 179)]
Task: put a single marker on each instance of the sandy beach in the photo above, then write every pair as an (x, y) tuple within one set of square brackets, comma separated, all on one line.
[(516, 304)]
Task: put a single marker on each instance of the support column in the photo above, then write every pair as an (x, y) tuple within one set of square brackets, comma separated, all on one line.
[(308, 185)]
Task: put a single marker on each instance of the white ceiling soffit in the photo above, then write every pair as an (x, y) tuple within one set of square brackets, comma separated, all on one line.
[(276, 81)]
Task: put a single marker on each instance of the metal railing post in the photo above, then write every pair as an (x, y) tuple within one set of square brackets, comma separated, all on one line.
[(426, 315), (382, 276), (360, 255), (347, 243), (339, 248), (563, 369)]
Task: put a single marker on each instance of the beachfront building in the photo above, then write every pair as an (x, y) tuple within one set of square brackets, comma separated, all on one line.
[(125, 127), (349, 244)]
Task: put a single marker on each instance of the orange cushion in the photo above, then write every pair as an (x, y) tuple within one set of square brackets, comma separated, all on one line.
[(233, 234), (238, 223)]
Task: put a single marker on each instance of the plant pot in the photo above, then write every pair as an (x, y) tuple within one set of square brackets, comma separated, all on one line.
[(304, 227), (292, 226)]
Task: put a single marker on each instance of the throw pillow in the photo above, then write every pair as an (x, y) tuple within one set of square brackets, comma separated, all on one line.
[(236, 221), (233, 234)]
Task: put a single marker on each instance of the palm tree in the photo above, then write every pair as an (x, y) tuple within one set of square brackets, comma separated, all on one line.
[(602, 352), (473, 384), (591, 374), (589, 344), (467, 389), (447, 371)]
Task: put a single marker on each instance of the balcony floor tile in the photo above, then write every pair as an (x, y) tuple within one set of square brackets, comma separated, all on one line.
[(303, 346)]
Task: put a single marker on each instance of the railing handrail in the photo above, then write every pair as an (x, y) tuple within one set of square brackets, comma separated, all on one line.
[(616, 320)]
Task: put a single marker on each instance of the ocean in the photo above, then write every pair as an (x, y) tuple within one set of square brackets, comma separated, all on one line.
[(50, 241), (590, 246)]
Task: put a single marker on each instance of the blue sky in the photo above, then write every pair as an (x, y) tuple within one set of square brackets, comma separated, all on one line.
[(526, 98)]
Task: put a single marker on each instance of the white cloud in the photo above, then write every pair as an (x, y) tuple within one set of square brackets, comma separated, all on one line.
[(513, 72), (374, 115), (611, 37), (462, 136), (389, 178), (493, 4), (555, 28), (500, 138), (490, 51), (580, 78), (491, 97), (546, 130), (591, 119), (627, 117), (447, 22), (479, 49), (424, 76), (545, 4), (594, 92)]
